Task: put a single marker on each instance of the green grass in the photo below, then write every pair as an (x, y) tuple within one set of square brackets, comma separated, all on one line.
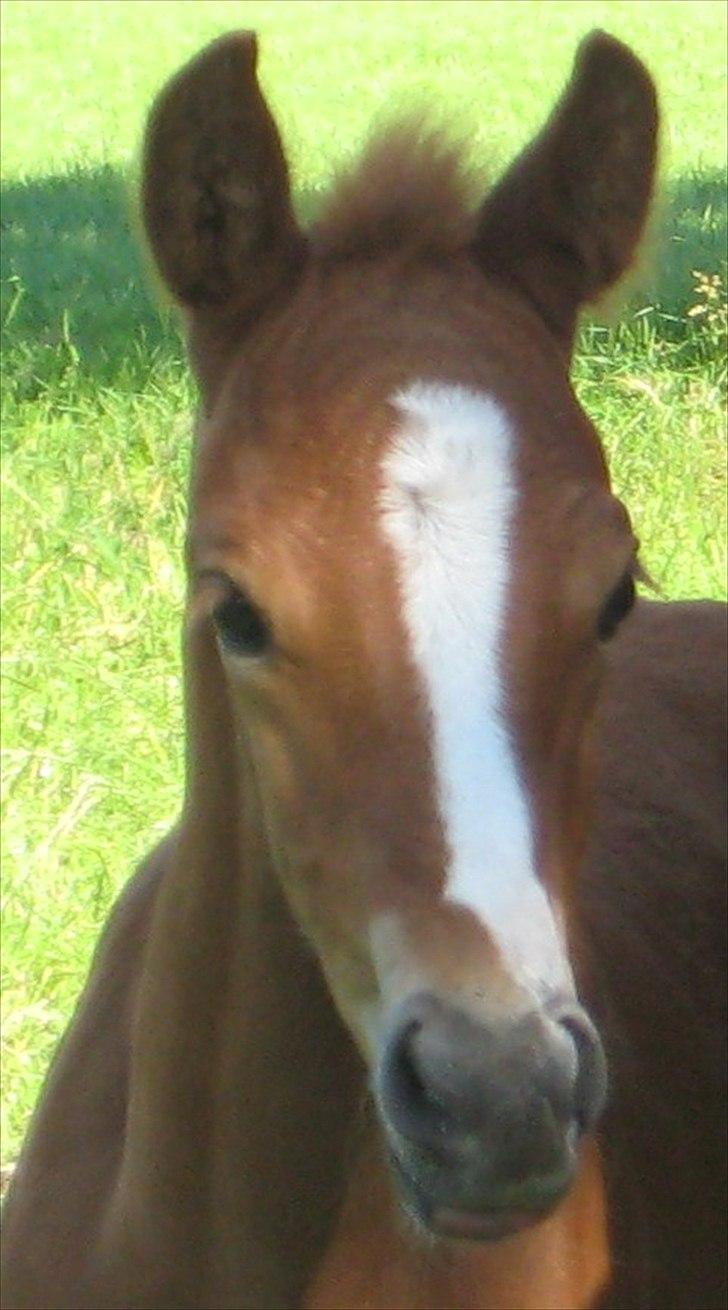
[(97, 402)]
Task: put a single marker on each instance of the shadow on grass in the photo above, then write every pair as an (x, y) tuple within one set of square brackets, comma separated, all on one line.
[(692, 235), (77, 296)]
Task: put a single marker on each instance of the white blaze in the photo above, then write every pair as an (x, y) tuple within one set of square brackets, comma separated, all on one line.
[(448, 503)]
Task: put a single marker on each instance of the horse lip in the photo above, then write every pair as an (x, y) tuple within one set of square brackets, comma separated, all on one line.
[(481, 1226), (488, 1224)]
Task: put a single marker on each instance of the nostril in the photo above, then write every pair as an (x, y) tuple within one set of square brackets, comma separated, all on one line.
[(591, 1078), (403, 1091), (404, 1074)]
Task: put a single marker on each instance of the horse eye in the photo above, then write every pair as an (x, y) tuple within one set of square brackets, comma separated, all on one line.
[(616, 607), (240, 625)]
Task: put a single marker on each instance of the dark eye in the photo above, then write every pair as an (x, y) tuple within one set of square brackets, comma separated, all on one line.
[(616, 607), (240, 625)]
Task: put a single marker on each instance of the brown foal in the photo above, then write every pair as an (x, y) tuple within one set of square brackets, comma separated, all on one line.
[(421, 1003)]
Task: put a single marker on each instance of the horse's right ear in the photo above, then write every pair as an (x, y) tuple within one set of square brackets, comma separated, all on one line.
[(216, 199), (564, 223)]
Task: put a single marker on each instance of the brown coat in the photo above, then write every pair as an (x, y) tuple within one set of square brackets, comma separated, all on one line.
[(206, 1137)]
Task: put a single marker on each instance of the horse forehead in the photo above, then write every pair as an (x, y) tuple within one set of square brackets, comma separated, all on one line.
[(314, 403), (323, 458)]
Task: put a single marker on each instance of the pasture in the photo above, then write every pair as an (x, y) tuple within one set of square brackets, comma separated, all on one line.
[(97, 405)]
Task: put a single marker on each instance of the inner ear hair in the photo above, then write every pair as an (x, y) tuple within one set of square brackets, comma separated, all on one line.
[(565, 222)]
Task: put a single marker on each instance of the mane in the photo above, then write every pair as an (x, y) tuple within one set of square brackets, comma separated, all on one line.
[(411, 191)]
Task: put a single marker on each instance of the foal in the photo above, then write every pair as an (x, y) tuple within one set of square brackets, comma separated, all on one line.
[(332, 1051)]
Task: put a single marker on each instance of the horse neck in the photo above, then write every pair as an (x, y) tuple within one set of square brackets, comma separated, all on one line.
[(244, 1089), (244, 1083)]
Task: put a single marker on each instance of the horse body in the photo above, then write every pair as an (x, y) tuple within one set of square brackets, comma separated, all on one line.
[(653, 905), (333, 1027)]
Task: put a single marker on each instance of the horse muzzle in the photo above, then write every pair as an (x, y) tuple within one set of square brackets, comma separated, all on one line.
[(483, 1123)]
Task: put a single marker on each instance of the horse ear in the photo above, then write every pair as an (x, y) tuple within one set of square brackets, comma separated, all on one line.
[(216, 199), (564, 223)]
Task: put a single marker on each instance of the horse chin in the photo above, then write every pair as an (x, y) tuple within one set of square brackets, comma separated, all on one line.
[(441, 1217), (486, 1226)]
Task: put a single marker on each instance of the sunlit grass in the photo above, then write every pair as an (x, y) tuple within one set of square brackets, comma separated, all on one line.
[(97, 403)]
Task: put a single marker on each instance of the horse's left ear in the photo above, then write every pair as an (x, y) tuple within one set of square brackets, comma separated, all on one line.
[(216, 199), (564, 223)]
